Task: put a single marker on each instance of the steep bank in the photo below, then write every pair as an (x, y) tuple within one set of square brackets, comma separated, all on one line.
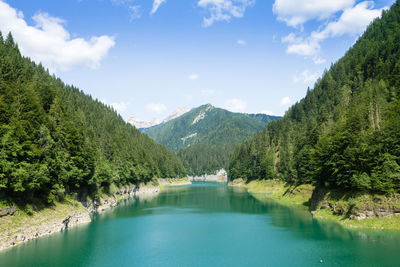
[(357, 210), (351, 210), (18, 226)]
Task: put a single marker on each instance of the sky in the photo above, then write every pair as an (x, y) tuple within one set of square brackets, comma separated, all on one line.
[(146, 58)]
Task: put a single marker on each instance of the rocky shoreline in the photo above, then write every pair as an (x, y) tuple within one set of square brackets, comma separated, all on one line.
[(57, 220)]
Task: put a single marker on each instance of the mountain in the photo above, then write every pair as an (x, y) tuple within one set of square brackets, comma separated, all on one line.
[(55, 140), (143, 125), (205, 136), (176, 113), (264, 117), (345, 133)]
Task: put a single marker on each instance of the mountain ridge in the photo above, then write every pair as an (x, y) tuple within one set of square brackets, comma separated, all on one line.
[(205, 137)]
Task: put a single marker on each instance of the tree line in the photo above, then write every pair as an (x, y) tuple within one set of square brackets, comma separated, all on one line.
[(346, 132), (56, 140)]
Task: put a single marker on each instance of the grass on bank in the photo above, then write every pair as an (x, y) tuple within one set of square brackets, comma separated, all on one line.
[(276, 189), (28, 216), (392, 223), (301, 195)]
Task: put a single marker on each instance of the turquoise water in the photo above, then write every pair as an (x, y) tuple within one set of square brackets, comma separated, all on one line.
[(207, 225)]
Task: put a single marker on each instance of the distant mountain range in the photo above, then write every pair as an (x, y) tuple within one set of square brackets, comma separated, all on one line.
[(205, 137), (142, 124)]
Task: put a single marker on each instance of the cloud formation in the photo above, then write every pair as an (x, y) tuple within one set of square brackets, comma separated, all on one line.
[(134, 12), (223, 10), (157, 108), (297, 12), (353, 21), (156, 5), (241, 42), (50, 43), (235, 105)]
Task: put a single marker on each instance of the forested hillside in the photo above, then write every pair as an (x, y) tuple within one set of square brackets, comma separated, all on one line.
[(206, 136), (346, 132), (56, 140)]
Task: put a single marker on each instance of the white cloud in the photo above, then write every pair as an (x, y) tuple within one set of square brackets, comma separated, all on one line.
[(318, 60), (235, 105), (50, 43), (300, 46), (193, 77), (134, 12), (306, 77), (241, 42), (285, 101), (352, 21), (156, 5), (157, 108), (119, 107), (207, 92), (223, 10), (297, 12)]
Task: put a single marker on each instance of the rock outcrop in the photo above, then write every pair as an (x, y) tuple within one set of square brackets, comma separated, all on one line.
[(355, 207), (43, 225), (8, 211), (44, 228)]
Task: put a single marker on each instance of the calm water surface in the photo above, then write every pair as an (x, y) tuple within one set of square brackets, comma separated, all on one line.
[(207, 225)]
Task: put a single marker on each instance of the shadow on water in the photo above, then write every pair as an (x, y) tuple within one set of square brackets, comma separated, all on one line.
[(179, 221), (209, 198)]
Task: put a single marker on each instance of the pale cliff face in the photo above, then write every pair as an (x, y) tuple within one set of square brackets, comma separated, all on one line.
[(176, 113), (140, 124)]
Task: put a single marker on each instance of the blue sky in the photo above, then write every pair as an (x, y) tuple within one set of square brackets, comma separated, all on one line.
[(149, 57)]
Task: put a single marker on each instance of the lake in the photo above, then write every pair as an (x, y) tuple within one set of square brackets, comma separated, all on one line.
[(207, 224)]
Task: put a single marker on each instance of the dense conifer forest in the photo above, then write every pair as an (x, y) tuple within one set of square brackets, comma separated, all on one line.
[(205, 137), (55, 140), (346, 132)]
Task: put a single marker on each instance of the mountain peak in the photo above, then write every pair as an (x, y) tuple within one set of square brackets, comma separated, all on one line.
[(142, 124), (176, 113)]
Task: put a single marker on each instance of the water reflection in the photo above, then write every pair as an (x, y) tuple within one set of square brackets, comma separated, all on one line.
[(209, 198), (207, 225)]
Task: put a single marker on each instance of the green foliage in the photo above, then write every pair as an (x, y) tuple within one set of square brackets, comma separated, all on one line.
[(346, 132), (202, 159), (55, 140), (205, 137)]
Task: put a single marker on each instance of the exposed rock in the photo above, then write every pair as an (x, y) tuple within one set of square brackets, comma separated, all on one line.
[(8, 211), (355, 207), (188, 137), (76, 217), (29, 232), (140, 124), (176, 113)]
